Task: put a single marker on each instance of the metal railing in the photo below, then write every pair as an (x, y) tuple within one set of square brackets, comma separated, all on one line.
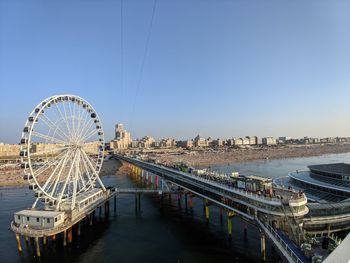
[(251, 195), (284, 248)]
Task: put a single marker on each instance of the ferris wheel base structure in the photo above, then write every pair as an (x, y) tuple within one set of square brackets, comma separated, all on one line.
[(44, 224)]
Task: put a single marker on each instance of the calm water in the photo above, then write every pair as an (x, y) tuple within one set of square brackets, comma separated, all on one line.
[(162, 232)]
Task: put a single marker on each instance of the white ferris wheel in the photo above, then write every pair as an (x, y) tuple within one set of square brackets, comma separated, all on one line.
[(62, 150)]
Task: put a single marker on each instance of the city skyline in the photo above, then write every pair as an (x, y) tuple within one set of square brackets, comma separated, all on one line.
[(237, 69)]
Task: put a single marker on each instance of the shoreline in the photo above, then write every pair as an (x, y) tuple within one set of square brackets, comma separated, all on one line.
[(203, 159), (238, 156)]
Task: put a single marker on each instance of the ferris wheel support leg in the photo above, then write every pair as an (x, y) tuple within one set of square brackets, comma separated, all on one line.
[(101, 184), (34, 204)]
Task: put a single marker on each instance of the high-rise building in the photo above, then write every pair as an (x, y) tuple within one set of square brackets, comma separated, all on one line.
[(122, 138)]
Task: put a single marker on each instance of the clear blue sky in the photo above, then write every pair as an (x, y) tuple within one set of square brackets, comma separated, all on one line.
[(218, 68)]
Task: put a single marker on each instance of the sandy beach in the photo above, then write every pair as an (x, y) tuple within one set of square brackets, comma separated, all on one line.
[(15, 177), (205, 159)]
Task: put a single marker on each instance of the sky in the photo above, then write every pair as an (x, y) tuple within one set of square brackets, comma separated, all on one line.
[(180, 68)]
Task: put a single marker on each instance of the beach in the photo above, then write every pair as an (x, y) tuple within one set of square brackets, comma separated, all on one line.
[(231, 156), (15, 177)]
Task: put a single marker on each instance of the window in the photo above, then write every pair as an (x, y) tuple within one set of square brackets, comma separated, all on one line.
[(27, 218), (19, 217), (48, 220), (37, 219), (55, 219)]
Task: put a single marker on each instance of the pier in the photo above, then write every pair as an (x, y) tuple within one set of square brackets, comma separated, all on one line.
[(258, 210)]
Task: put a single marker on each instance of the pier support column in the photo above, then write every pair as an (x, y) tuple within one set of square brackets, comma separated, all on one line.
[(263, 247), (18, 239), (78, 228), (90, 219), (157, 181), (191, 201), (115, 204), (229, 227), (230, 215), (53, 238), (107, 209), (221, 215), (70, 236), (139, 205), (65, 238), (44, 240), (245, 229), (179, 199), (207, 212), (100, 210), (37, 246), (186, 201)]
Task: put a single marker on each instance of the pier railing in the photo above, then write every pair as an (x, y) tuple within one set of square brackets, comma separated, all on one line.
[(282, 246)]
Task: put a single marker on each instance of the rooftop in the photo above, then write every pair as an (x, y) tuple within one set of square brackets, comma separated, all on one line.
[(39, 213), (335, 168), (321, 181)]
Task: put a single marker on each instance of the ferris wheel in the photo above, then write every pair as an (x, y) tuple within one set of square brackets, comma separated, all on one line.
[(62, 150)]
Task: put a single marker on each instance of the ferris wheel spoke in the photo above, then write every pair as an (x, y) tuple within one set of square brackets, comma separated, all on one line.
[(63, 118), (92, 161), (52, 126), (84, 122), (53, 173), (84, 131), (72, 120), (88, 135), (47, 137), (47, 165), (95, 173), (66, 181), (87, 170), (57, 148), (75, 179), (66, 118), (79, 120), (54, 188)]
